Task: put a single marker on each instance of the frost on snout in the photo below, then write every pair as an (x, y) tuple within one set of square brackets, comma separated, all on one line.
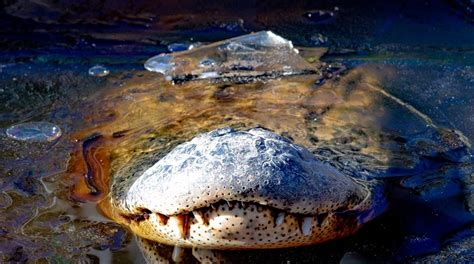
[(243, 189)]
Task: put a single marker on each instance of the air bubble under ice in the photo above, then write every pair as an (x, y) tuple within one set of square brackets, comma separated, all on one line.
[(98, 71), (39, 131)]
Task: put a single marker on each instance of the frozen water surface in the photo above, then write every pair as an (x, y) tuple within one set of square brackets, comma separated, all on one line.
[(34, 131), (420, 52), (257, 55)]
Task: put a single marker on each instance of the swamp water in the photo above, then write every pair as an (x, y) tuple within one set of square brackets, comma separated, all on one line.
[(402, 114)]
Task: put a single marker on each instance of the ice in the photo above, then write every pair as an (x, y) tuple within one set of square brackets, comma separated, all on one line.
[(98, 71), (207, 63), (34, 131), (245, 58), (162, 63), (173, 47)]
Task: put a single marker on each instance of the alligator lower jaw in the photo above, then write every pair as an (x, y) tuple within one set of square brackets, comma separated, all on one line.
[(229, 225)]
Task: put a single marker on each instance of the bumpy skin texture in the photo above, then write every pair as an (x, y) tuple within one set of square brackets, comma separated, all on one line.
[(249, 166), (230, 189)]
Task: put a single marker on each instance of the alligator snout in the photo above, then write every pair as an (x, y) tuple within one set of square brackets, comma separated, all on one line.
[(231, 189)]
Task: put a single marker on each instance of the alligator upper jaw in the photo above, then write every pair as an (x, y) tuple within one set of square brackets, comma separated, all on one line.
[(202, 215), (238, 225)]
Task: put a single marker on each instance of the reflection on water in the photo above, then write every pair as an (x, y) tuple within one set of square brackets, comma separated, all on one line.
[(397, 113)]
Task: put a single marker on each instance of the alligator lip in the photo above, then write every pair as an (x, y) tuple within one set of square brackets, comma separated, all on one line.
[(202, 215)]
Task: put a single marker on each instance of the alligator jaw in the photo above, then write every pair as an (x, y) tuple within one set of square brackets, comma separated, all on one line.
[(230, 189), (237, 225)]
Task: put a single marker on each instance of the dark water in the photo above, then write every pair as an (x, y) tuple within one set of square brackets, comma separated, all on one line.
[(420, 52)]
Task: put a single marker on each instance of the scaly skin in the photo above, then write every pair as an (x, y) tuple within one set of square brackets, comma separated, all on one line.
[(277, 195)]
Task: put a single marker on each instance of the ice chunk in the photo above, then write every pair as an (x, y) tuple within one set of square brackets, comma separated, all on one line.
[(245, 58), (98, 71), (34, 131)]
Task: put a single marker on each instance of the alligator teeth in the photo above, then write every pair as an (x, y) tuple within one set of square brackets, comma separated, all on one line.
[(306, 226), (184, 222), (200, 217), (240, 205), (177, 255), (231, 206), (163, 219), (279, 219)]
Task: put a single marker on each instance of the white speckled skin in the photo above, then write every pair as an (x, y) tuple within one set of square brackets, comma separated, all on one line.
[(255, 166)]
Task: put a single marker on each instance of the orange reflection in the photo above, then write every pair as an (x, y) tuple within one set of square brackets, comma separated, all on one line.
[(89, 168)]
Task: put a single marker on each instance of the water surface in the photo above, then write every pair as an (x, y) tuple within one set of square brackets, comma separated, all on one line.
[(406, 80)]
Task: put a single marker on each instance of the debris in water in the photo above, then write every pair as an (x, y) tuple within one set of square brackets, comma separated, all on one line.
[(241, 59), (34, 131), (98, 71)]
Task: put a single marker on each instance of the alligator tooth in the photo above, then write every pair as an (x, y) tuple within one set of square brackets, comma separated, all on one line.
[(179, 225), (279, 219), (306, 226), (163, 219), (184, 222), (205, 219), (200, 217), (177, 255), (230, 204)]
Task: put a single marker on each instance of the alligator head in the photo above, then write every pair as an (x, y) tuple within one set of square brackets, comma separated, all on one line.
[(230, 189)]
